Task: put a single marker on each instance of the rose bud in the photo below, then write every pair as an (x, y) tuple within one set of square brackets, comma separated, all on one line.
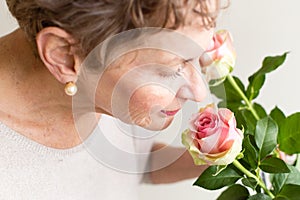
[(219, 60)]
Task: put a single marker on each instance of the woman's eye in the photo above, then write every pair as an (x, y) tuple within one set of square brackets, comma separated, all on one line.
[(172, 73)]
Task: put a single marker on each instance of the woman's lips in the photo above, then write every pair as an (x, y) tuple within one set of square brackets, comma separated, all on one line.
[(170, 112)]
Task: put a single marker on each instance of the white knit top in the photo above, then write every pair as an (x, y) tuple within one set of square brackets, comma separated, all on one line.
[(29, 170)]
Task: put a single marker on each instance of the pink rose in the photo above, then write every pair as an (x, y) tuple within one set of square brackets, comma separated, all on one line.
[(213, 138), (219, 60)]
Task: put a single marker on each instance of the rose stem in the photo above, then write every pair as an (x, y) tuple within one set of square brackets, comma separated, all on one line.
[(241, 93), (250, 175)]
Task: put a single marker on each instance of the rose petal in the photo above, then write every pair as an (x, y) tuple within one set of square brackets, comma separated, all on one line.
[(210, 144), (225, 115)]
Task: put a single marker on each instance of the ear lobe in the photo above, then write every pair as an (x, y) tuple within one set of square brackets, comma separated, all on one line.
[(55, 50)]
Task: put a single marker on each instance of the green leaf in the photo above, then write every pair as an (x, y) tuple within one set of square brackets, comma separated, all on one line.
[(250, 182), (219, 169), (259, 110), (266, 136), (234, 192), (258, 189), (232, 105), (274, 165), (226, 92), (271, 63), (250, 153), (289, 132), (226, 177), (257, 80), (250, 120), (289, 192), (260, 196), (277, 115), (255, 85), (278, 180)]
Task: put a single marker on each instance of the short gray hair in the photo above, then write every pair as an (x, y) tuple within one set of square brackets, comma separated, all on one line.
[(92, 21)]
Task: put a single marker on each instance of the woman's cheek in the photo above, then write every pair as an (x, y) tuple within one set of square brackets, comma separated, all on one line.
[(139, 111), (150, 97), (146, 101)]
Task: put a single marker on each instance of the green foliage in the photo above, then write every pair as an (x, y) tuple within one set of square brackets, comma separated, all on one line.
[(266, 136), (226, 92), (277, 115), (289, 192), (281, 179), (219, 169), (289, 134), (234, 192), (210, 181), (260, 110), (257, 80), (250, 121), (229, 97), (263, 134), (250, 153), (250, 182), (274, 165), (260, 196)]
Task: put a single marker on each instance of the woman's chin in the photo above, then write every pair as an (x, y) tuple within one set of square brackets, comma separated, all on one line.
[(158, 125)]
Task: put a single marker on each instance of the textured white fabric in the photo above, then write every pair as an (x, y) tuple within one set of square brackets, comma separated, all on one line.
[(32, 171)]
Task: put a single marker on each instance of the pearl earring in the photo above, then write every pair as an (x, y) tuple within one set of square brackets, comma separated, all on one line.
[(70, 88)]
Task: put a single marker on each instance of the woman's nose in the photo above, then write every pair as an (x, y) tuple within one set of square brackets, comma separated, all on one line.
[(193, 88)]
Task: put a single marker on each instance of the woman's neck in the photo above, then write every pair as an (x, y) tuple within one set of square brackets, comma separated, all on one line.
[(34, 102)]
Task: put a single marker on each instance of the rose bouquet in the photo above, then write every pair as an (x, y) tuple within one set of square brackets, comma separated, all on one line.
[(245, 147)]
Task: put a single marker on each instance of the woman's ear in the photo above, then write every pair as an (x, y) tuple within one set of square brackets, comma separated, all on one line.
[(55, 47)]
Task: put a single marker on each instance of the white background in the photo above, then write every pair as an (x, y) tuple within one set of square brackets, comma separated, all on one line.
[(259, 28)]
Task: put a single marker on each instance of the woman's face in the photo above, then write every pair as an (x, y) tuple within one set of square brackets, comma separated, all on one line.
[(148, 86)]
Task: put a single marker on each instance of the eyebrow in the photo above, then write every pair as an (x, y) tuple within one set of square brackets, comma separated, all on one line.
[(189, 59), (180, 60)]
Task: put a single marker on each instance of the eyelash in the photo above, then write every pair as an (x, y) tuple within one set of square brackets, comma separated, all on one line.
[(174, 75)]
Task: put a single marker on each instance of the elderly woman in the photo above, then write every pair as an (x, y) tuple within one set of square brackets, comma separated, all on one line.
[(47, 60)]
